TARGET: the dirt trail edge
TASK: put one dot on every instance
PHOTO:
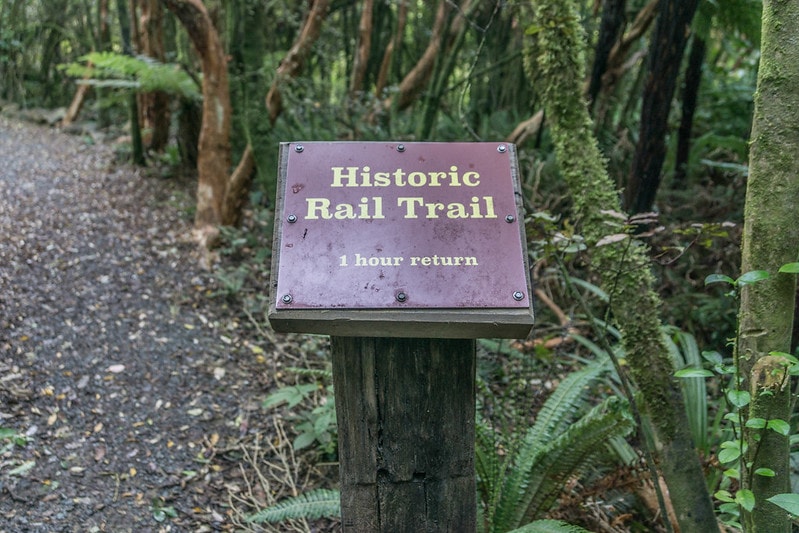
(123, 390)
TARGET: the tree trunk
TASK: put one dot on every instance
(133, 107)
(693, 79)
(770, 238)
(416, 80)
(361, 61)
(609, 28)
(213, 152)
(77, 103)
(666, 51)
(154, 106)
(385, 66)
(554, 58)
(618, 63)
(445, 65)
(102, 41)
(292, 64)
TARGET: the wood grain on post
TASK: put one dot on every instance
(405, 410)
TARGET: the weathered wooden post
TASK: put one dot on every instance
(404, 253)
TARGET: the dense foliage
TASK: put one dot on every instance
(443, 71)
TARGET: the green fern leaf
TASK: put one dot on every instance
(324, 374)
(549, 526)
(309, 505)
(559, 410)
(555, 416)
(141, 73)
(490, 466)
(569, 454)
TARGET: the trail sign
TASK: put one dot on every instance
(400, 240)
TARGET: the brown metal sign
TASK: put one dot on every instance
(375, 226)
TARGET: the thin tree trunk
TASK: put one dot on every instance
(385, 66)
(624, 268)
(295, 59)
(445, 65)
(215, 190)
(103, 44)
(693, 79)
(133, 107)
(237, 188)
(83, 90)
(618, 62)
(770, 237)
(364, 45)
(77, 103)
(416, 80)
(666, 51)
(526, 129)
(154, 108)
(609, 28)
(618, 54)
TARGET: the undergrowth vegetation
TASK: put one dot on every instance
(608, 484)
(592, 453)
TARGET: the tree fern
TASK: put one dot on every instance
(140, 73)
(310, 505)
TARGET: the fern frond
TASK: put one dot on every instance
(549, 526)
(319, 373)
(309, 505)
(554, 417)
(685, 353)
(142, 73)
(489, 465)
(569, 454)
(113, 84)
(560, 408)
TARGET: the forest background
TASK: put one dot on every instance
(669, 87)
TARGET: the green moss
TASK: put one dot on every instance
(553, 58)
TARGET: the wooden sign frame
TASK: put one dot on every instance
(495, 321)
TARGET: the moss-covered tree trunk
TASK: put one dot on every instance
(770, 239)
(553, 57)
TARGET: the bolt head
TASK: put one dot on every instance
(292, 219)
(400, 147)
(510, 218)
(502, 148)
(401, 296)
(298, 148)
(518, 296)
(287, 299)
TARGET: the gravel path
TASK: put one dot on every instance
(124, 388)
